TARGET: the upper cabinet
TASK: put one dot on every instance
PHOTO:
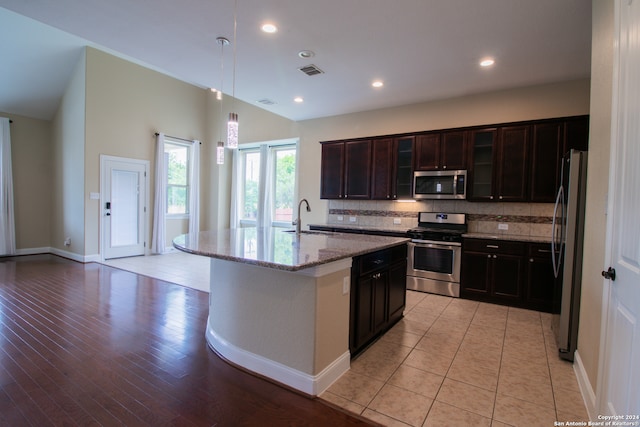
(499, 164)
(441, 151)
(514, 162)
(346, 170)
(551, 139)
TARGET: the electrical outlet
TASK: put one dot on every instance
(340, 218)
(503, 226)
(67, 241)
(352, 219)
(346, 284)
(397, 221)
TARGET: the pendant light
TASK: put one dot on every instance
(222, 41)
(232, 124)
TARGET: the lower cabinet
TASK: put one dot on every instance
(512, 273)
(378, 292)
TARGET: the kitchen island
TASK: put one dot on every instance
(279, 301)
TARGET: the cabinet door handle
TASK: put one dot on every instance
(544, 251)
(500, 197)
(491, 197)
(444, 167)
(495, 256)
(530, 259)
(488, 256)
(378, 261)
(493, 246)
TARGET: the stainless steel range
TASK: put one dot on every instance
(433, 262)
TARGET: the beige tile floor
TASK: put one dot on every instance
(455, 362)
(175, 267)
(448, 362)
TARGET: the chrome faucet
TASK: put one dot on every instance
(298, 221)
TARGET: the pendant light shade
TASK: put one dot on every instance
(232, 131)
(220, 153)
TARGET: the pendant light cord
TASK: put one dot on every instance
(235, 30)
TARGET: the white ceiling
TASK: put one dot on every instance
(422, 49)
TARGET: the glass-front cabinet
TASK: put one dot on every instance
(481, 170)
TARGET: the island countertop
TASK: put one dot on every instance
(281, 249)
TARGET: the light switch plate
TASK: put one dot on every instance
(503, 226)
(397, 221)
(94, 196)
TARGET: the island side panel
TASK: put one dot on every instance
(332, 319)
(274, 315)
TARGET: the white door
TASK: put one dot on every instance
(621, 370)
(123, 207)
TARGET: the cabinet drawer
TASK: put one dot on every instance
(374, 261)
(540, 250)
(495, 246)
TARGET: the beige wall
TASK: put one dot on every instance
(597, 187)
(31, 157)
(126, 105)
(68, 166)
(537, 102)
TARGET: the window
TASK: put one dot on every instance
(177, 161)
(266, 184)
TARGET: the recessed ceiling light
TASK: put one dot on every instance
(306, 54)
(487, 62)
(377, 83)
(269, 28)
(298, 99)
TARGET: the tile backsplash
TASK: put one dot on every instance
(520, 219)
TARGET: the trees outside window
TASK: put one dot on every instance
(177, 161)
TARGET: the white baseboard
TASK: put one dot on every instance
(33, 251)
(310, 384)
(588, 395)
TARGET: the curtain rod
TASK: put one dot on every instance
(181, 139)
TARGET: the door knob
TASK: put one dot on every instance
(610, 274)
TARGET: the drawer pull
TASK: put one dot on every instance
(493, 246)
(544, 251)
(378, 261)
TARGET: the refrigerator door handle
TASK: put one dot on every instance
(556, 262)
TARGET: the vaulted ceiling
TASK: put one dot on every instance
(420, 49)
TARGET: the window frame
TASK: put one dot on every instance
(279, 145)
(175, 143)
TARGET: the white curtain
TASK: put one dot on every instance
(158, 237)
(265, 198)
(7, 221)
(236, 180)
(194, 189)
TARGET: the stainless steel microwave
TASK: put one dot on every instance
(440, 184)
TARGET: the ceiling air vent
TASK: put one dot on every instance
(311, 70)
(266, 101)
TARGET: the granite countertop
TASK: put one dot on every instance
(511, 237)
(276, 248)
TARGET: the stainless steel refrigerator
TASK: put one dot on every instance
(566, 250)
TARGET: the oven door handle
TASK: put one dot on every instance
(434, 242)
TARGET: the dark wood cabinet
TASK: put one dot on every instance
(508, 272)
(540, 283)
(546, 148)
(346, 170)
(382, 169)
(392, 169)
(492, 270)
(551, 139)
(514, 162)
(357, 169)
(441, 151)
(499, 166)
(403, 167)
(481, 167)
(378, 293)
(332, 171)
(512, 165)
